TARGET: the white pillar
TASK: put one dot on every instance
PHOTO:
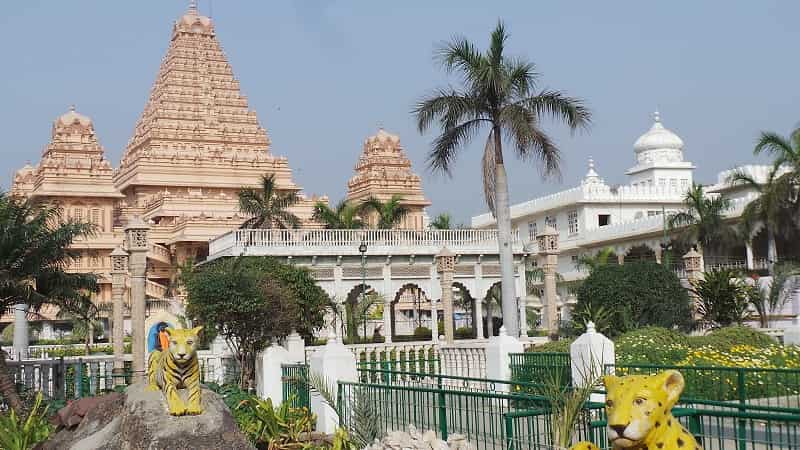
(335, 363)
(296, 347)
(497, 357)
(434, 314)
(748, 246)
(589, 355)
(387, 301)
(21, 338)
(269, 373)
(791, 335)
(477, 297)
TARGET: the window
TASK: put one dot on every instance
(662, 182)
(652, 213)
(684, 183)
(531, 230)
(673, 183)
(78, 261)
(96, 218)
(77, 214)
(551, 221)
(572, 221)
(603, 220)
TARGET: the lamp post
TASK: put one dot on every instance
(363, 250)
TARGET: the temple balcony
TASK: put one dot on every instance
(309, 242)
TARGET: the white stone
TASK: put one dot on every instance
(589, 355)
(497, 357)
(296, 347)
(791, 335)
(269, 373)
(336, 363)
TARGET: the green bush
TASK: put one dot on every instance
(725, 338)
(23, 433)
(637, 295)
(561, 346)
(422, 333)
(651, 345)
(464, 333)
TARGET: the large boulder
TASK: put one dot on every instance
(138, 420)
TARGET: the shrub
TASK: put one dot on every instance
(651, 345)
(725, 338)
(561, 346)
(23, 433)
(464, 333)
(637, 295)
(422, 333)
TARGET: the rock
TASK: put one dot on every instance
(138, 420)
(413, 440)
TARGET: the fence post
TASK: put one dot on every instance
(589, 355)
(498, 359)
(509, 423)
(742, 426)
(336, 363)
(60, 379)
(269, 376)
(442, 409)
(79, 379)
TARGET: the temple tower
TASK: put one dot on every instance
(384, 170)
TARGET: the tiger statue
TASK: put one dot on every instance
(177, 368)
(639, 414)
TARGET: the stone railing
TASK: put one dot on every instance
(346, 242)
(394, 354)
(464, 359)
(160, 253)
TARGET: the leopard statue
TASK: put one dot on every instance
(177, 368)
(639, 414)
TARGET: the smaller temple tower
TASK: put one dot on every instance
(382, 171)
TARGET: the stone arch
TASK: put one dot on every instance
(350, 301)
(640, 252)
(464, 301)
(492, 310)
(411, 297)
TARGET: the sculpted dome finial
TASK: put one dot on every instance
(193, 7)
(657, 116)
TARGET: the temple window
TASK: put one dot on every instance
(77, 214)
(97, 218)
(603, 220)
(551, 221)
(572, 221)
(532, 230)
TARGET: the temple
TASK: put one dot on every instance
(383, 170)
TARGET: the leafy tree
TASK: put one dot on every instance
(601, 316)
(442, 222)
(251, 301)
(268, 207)
(601, 258)
(702, 223)
(499, 93)
(773, 207)
(359, 311)
(85, 316)
(34, 251)
(344, 216)
(389, 213)
(723, 298)
(637, 294)
(785, 281)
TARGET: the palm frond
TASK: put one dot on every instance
(489, 167)
(445, 147)
(558, 106)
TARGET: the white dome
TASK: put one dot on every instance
(658, 138)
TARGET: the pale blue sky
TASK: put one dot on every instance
(323, 75)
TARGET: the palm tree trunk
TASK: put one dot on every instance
(7, 388)
(772, 249)
(503, 210)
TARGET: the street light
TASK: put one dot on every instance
(363, 250)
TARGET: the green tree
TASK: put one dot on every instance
(591, 262)
(636, 295)
(344, 216)
(85, 317)
(498, 93)
(389, 213)
(34, 251)
(703, 221)
(442, 222)
(251, 301)
(268, 207)
(773, 207)
(723, 298)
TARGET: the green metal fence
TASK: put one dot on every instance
(769, 390)
(295, 386)
(420, 365)
(541, 367)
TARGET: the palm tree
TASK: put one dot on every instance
(499, 93)
(344, 216)
(268, 207)
(442, 222)
(702, 223)
(591, 262)
(389, 213)
(34, 251)
(773, 208)
(785, 150)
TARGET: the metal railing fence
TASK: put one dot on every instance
(294, 378)
(542, 367)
